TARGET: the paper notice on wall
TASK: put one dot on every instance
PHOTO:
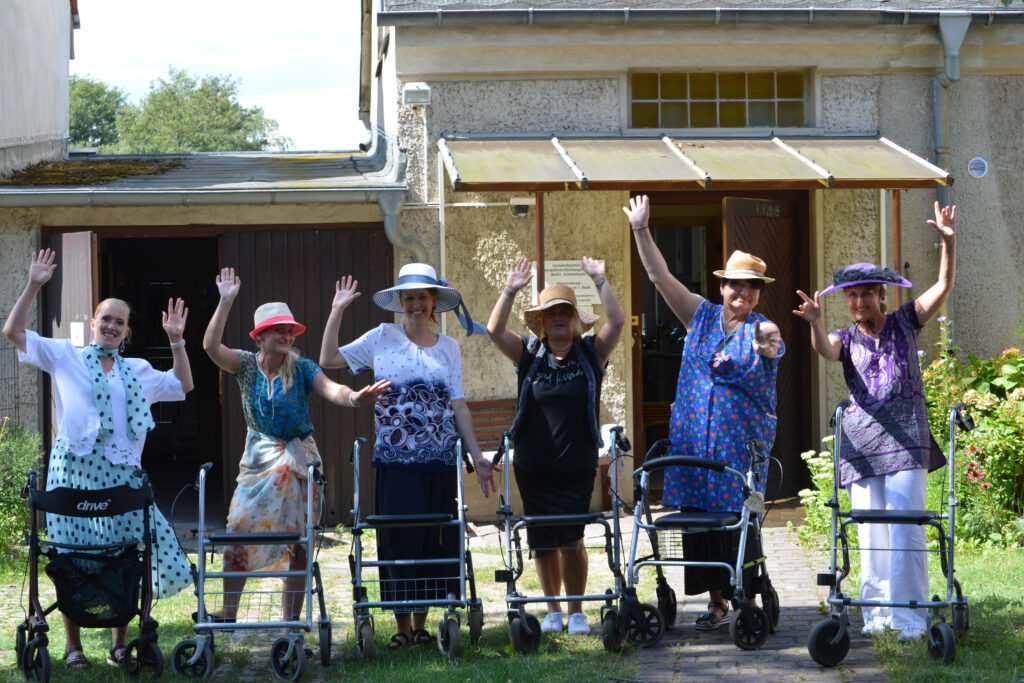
(77, 330)
(569, 273)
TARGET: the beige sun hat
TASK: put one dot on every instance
(744, 266)
(553, 296)
(274, 313)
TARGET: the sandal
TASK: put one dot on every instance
(420, 636)
(398, 640)
(710, 620)
(118, 656)
(75, 659)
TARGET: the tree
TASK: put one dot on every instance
(94, 106)
(182, 114)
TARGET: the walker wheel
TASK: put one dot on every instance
(749, 633)
(646, 628)
(942, 643)
(365, 643)
(35, 660)
(449, 640)
(821, 647)
(144, 657)
(325, 643)
(20, 639)
(611, 634)
(524, 634)
(183, 652)
(667, 604)
(476, 623)
(770, 600)
(961, 618)
(288, 660)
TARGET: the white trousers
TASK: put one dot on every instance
(894, 564)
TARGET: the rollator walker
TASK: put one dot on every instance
(367, 593)
(829, 639)
(751, 624)
(623, 616)
(194, 657)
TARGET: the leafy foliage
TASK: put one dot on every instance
(20, 451)
(184, 114)
(94, 106)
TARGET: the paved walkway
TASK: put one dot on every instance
(685, 654)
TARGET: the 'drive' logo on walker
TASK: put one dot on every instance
(89, 506)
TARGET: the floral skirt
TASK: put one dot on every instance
(270, 496)
(171, 572)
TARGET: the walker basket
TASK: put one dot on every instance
(98, 589)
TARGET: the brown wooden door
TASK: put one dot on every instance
(300, 267)
(773, 231)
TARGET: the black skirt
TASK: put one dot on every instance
(554, 493)
(718, 546)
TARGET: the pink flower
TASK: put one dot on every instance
(975, 475)
(986, 485)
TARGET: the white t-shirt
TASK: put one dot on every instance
(77, 416)
(415, 418)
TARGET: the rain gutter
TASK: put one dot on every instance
(709, 16)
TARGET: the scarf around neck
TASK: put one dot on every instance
(140, 418)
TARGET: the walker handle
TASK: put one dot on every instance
(502, 447)
(205, 467)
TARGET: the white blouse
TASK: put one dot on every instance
(77, 416)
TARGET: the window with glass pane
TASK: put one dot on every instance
(726, 99)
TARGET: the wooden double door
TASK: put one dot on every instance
(297, 264)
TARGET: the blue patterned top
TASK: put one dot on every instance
(725, 397)
(267, 407)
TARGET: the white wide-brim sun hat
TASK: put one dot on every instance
(417, 276)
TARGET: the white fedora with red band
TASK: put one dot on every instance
(274, 313)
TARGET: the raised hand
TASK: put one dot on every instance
(228, 283)
(485, 475)
(346, 290)
(519, 275)
(810, 309)
(639, 211)
(370, 393)
(767, 339)
(945, 221)
(41, 269)
(173, 319)
(595, 269)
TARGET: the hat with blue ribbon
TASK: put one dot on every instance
(423, 276)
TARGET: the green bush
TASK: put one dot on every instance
(20, 451)
(816, 529)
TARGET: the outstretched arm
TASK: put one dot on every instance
(345, 292)
(342, 395)
(681, 300)
(929, 303)
(173, 321)
(40, 271)
(827, 345)
(226, 359)
(507, 341)
(615, 319)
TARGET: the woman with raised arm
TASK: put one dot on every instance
(725, 397)
(99, 439)
(556, 429)
(887, 450)
(275, 383)
(419, 421)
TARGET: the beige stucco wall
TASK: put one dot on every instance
(35, 45)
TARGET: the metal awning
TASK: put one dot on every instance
(667, 163)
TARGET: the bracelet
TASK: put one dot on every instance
(509, 292)
(600, 282)
(636, 229)
(352, 401)
(177, 345)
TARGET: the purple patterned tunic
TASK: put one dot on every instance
(725, 397)
(885, 430)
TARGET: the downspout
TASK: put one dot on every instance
(953, 27)
(390, 204)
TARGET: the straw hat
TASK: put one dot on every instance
(274, 313)
(865, 274)
(744, 266)
(553, 296)
(417, 276)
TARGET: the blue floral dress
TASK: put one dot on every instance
(725, 397)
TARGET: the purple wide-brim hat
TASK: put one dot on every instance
(865, 274)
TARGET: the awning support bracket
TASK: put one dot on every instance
(449, 163)
(827, 179)
(576, 170)
(705, 177)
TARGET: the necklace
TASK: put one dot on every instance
(562, 351)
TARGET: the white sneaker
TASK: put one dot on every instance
(552, 623)
(908, 634)
(578, 624)
(874, 627)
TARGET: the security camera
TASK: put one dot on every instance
(520, 206)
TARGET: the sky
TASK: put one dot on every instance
(297, 60)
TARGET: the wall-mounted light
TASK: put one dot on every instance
(520, 206)
(416, 94)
